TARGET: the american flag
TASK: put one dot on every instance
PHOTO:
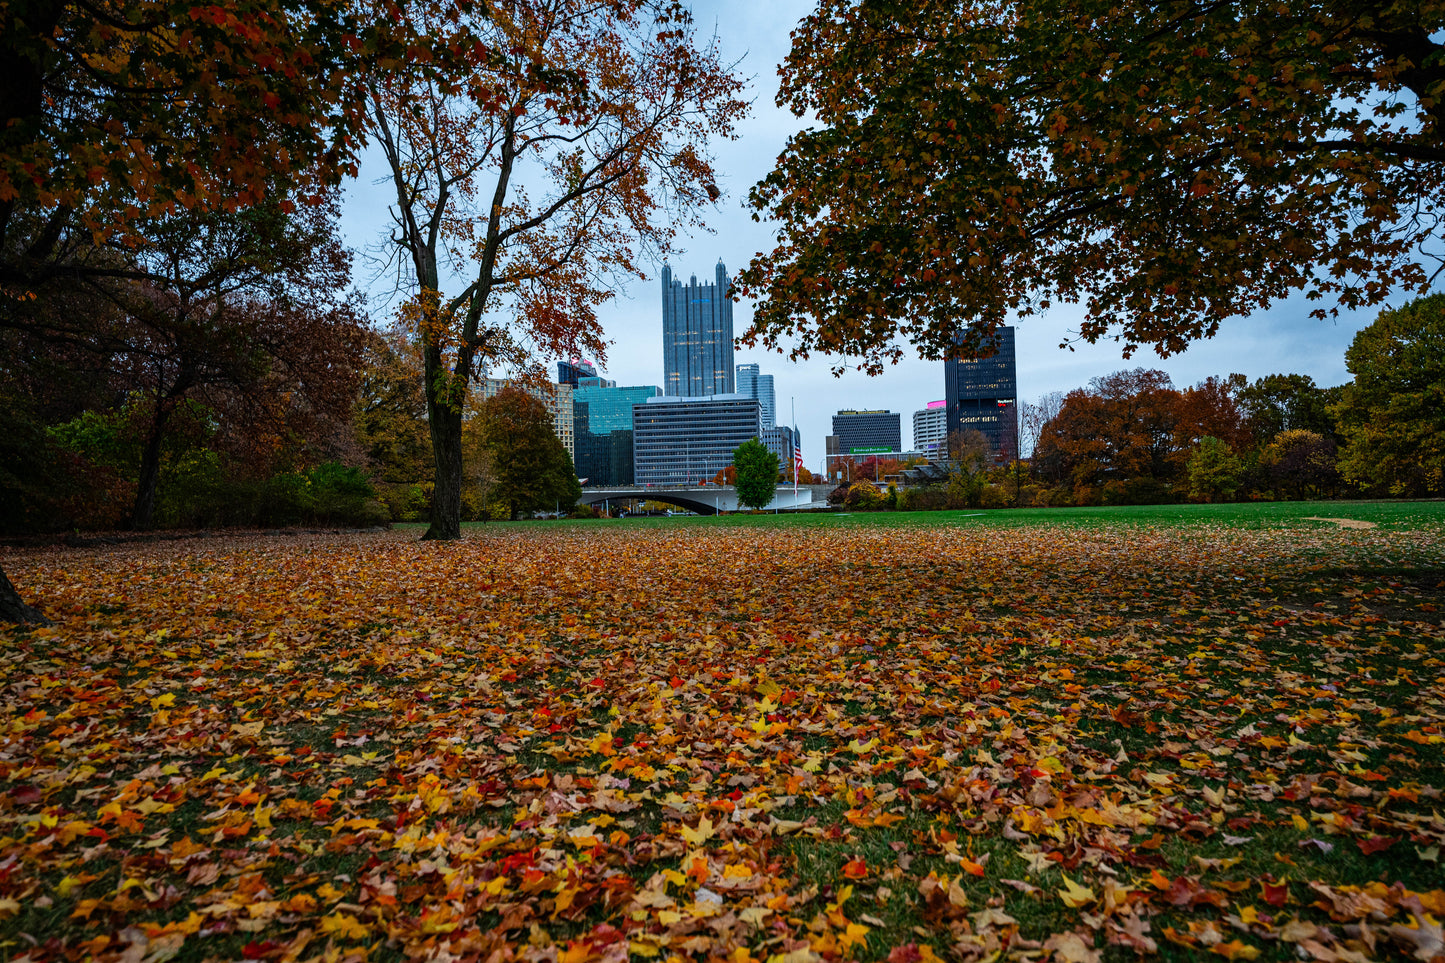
(797, 461)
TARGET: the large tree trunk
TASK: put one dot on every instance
(445, 395)
(13, 609)
(446, 499)
(143, 518)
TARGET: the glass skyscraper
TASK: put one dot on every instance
(602, 419)
(752, 383)
(982, 394)
(697, 336)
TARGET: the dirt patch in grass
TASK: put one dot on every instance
(1342, 522)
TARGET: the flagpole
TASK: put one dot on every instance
(793, 404)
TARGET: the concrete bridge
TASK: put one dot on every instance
(707, 499)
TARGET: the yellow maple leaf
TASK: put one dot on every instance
(345, 926)
(855, 934)
(329, 893)
(696, 837)
(1235, 950)
(1074, 895)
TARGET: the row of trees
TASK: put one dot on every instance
(152, 154)
(1132, 436)
(98, 456)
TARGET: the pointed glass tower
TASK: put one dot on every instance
(697, 336)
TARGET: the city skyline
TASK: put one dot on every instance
(1280, 339)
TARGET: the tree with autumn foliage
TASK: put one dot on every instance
(1165, 165)
(1301, 463)
(113, 114)
(1122, 427)
(1285, 402)
(544, 154)
(529, 467)
(244, 311)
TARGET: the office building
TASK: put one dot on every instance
(602, 420)
(781, 441)
(868, 432)
(752, 383)
(568, 372)
(684, 441)
(930, 428)
(981, 391)
(697, 336)
(557, 398)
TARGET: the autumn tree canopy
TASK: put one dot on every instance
(1392, 415)
(554, 146)
(111, 112)
(1165, 165)
(530, 467)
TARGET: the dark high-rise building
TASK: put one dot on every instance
(868, 432)
(568, 372)
(697, 336)
(982, 394)
(682, 441)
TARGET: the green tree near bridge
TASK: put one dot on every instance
(757, 474)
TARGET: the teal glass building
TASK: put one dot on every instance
(602, 429)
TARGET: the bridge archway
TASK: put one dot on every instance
(667, 498)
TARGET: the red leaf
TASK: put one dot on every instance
(1375, 844)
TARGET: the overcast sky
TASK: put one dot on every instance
(1284, 339)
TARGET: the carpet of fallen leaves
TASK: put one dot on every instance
(575, 744)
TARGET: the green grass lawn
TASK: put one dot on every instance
(1397, 515)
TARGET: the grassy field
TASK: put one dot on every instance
(1182, 732)
(1385, 514)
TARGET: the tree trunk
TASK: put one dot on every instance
(143, 517)
(446, 499)
(445, 395)
(13, 609)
